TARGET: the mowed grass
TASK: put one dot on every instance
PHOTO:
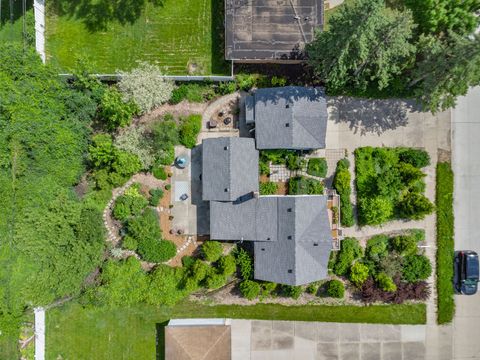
(178, 34)
(78, 333)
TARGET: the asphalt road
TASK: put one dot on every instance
(466, 165)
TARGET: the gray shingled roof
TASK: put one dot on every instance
(298, 229)
(291, 117)
(229, 168)
(270, 29)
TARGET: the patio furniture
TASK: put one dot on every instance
(181, 162)
(212, 124)
(227, 120)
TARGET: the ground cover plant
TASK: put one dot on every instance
(445, 243)
(341, 183)
(183, 38)
(390, 184)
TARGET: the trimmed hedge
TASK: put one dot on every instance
(336, 289)
(189, 129)
(341, 183)
(445, 243)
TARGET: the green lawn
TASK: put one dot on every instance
(130, 333)
(174, 35)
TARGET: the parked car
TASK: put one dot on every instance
(466, 272)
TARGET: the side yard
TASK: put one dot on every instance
(104, 331)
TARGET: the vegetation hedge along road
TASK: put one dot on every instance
(445, 243)
(341, 183)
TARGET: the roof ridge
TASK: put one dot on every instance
(306, 131)
(230, 167)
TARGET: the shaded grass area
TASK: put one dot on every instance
(179, 36)
(74, 332)
(9, 347)
(445, 243)
(11, 21)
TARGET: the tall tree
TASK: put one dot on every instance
(447, 69)
(441, 16)
(367, 45)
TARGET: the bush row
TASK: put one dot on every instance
(341, 183)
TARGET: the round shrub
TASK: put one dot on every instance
(215, 281)
(268, 188)
(168, 187)
(336, 289)
(350, 250)
(312, 288)
(144, 226)
(377, 247)
(317, 167)
(130, 204)
(292, 291)
(154, 250)
(129, 243)
(159, 172)
(227, 265)
(250, 289)
(188, 261)
(404, 244)
(155, 196)
(386, 283)
(212, 250)
(358, 273)
(416, 267)
(415, 157)
(199, 270)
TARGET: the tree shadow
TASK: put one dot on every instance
(160, 343)
(219, 64)
(371, 116)
(11, 11)
(96, 15)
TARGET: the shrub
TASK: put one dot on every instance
(246, 81)
(375, 210)
(144, 226)
(159, 172)
(404, 244)
(415, 157)
(292, 291)
(155, 250)
(268, 188)
(350, 250)
(416, 267)
(264, 168)
(245, 263)
(135, 141)
(215, 281)
(166, 157)
(294, 161)
(391, 265)
(445, 243)
(358, 273)
(277, 157)
(267, 288)
(227, 265)
(405, 291)
(336, 289)
(130, 204)
(191, 92)
(386, 283)
(415, 206)
(164, 134)
(129, 243)
(179, 94)
(301, 185)
(278, 81)
(168, 187)
(317, 167)
(145, 86)
(225, 88)
(341, 183)
(249, 289)
(165, 286)
(114, 111)
(377, 247)
(212, 250)
(188, 261)
(189, 129)
(155, 196)
(312, 288)
(334, 214)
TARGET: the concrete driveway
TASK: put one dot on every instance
(298, 340)
(466, 165)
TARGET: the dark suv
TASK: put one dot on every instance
(466, 272)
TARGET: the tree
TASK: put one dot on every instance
(114, 111)
(146, 86)
(199, 270)
(415, 206)
(442, 16)
(416, 267)
(212, 250)
(446, 70)
(367, 45)
(358, 273)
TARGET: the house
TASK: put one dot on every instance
(196, 339)
(291, 117)
(229, 168)
(291, 234)
(270, 30)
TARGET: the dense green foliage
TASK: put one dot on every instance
(245, 263)
(190, 127)
(358, 273)
(350, 250)
(155, 196)
(227, 265)
(367, 45)
(301, 185)
(294, 161)
(291, 291)
(192, 92)
(341, 183)
(50, 240)
(212, 250)
(388, 187)
(416, 267)
(386, 283)
(336, 289)
(131, 203)
(249, 289)
(114, 112)
(154, 250)
(317, 167)
(159, 172)
(268, 188)
(445, 243)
